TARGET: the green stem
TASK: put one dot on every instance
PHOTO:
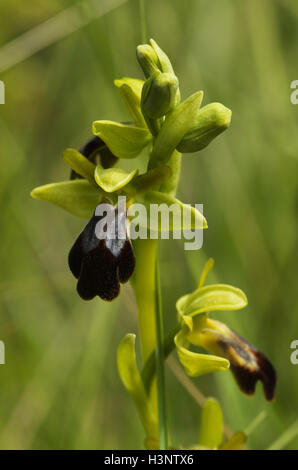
(149, 369)
(162, 414)
(143, 282)
(143, 21)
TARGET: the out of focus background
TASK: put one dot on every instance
(59, 388)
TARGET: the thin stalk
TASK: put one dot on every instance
(143, 282)
(162, 414)
(143, 21)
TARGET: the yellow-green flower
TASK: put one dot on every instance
(227, 348)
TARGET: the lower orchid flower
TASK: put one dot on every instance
(228, 349)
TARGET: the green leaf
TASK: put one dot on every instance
(123, 140)
(79, 164)
(176, 125)
(210, 298)
(77, 197)
(211, 424)
(196, 364)
(236, 442)
(113, 179)
(130, 376)
(131, 91)
(176, 215)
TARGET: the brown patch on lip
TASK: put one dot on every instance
(247, 364)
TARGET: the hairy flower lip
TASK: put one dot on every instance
(248, 364)
(101, 264)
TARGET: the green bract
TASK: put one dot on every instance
(130, 376)
(176, 125)
(211, 424)
(211, 121)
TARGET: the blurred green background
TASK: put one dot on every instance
(59, 387)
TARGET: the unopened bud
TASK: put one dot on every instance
(159, 95)
(148, 59)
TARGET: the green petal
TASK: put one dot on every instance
(79, 164)
(131, 91)
(130, 376)
(113, 179)
(123, 140)
(187, 217)
(196, 364)
(77, 197)
(210, 298)
(236, 442)
(206, 270)
(211, 424)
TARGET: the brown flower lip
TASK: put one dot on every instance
(247, 364)
(101, 264)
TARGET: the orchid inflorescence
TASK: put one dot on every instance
(103, 255)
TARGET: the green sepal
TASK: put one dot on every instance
(176, 125)
(79, 164)
(131, 91)
(131, 379)
(196, 364)
(113, 179)
(211, 121)
(123, 140)
(210, 298)
(211, 430)
(77, 197)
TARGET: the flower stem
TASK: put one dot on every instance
(143, 21)
(162, 412)
(143, 282)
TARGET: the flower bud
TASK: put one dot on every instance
(159, 95)
(148, 59)
(211, 121)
